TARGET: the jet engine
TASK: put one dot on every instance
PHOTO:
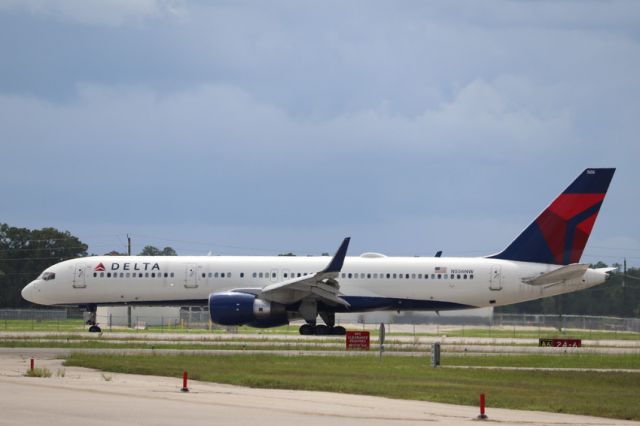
(235, 308)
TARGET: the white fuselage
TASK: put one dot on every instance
(450, 283)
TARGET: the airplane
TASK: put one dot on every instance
(270, 291)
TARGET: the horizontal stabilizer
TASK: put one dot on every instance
(569, 272)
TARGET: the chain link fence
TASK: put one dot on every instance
(198, 319)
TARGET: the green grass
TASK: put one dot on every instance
(38, 372)
(590, 393)
(544, 333)
(44, 325)
(77, 325)
(623, 361)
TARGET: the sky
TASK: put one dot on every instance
(258, 128)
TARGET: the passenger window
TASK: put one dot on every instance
(458, 276)
(122, 274)
(255, 274)
(350, 275)
(394, 275)
(101, 274)
(471, 276)
(388, 276)
(419, 276)
(140, 275)
(446, 276)
(344, 275)
(368, 275)
(228, 274)
(221, 274)
(464, 277)
(215, 275)
(165, 275)
(439, 276)
(407, 276)
(95, 274)
(375, 276)
(108, 275)
(171, 275)
(260, 275)
(241, 274)
(146, 275)
(203, 275)
(273, 275)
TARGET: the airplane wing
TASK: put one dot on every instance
(323, 285)
(557, 276)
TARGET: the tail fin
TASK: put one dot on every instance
(560, 233)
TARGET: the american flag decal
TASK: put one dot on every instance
(441, 270)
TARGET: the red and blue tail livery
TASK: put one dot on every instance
(559, 234)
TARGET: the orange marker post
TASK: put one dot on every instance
(482, 415)
(185, 388)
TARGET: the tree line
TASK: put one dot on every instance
(25, 253)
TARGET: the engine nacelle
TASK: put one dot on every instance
(233, 308)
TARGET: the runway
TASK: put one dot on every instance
(84, 396)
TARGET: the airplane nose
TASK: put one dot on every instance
(28, 292)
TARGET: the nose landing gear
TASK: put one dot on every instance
(91, 321)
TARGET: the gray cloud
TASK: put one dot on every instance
(405, 124)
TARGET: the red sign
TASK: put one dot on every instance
(358, 340)
(561, 343)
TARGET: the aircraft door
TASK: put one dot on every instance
(79, 276)
(191, 276)
(495, 280)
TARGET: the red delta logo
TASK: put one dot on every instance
(99, 268)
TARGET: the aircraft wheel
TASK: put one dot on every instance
(322, 330)
(94, 329)
(307, 330)
(338, 331)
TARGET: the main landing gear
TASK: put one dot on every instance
(91, 322)
(322, 330)
(330, 329)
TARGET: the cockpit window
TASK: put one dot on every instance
(47, 276)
